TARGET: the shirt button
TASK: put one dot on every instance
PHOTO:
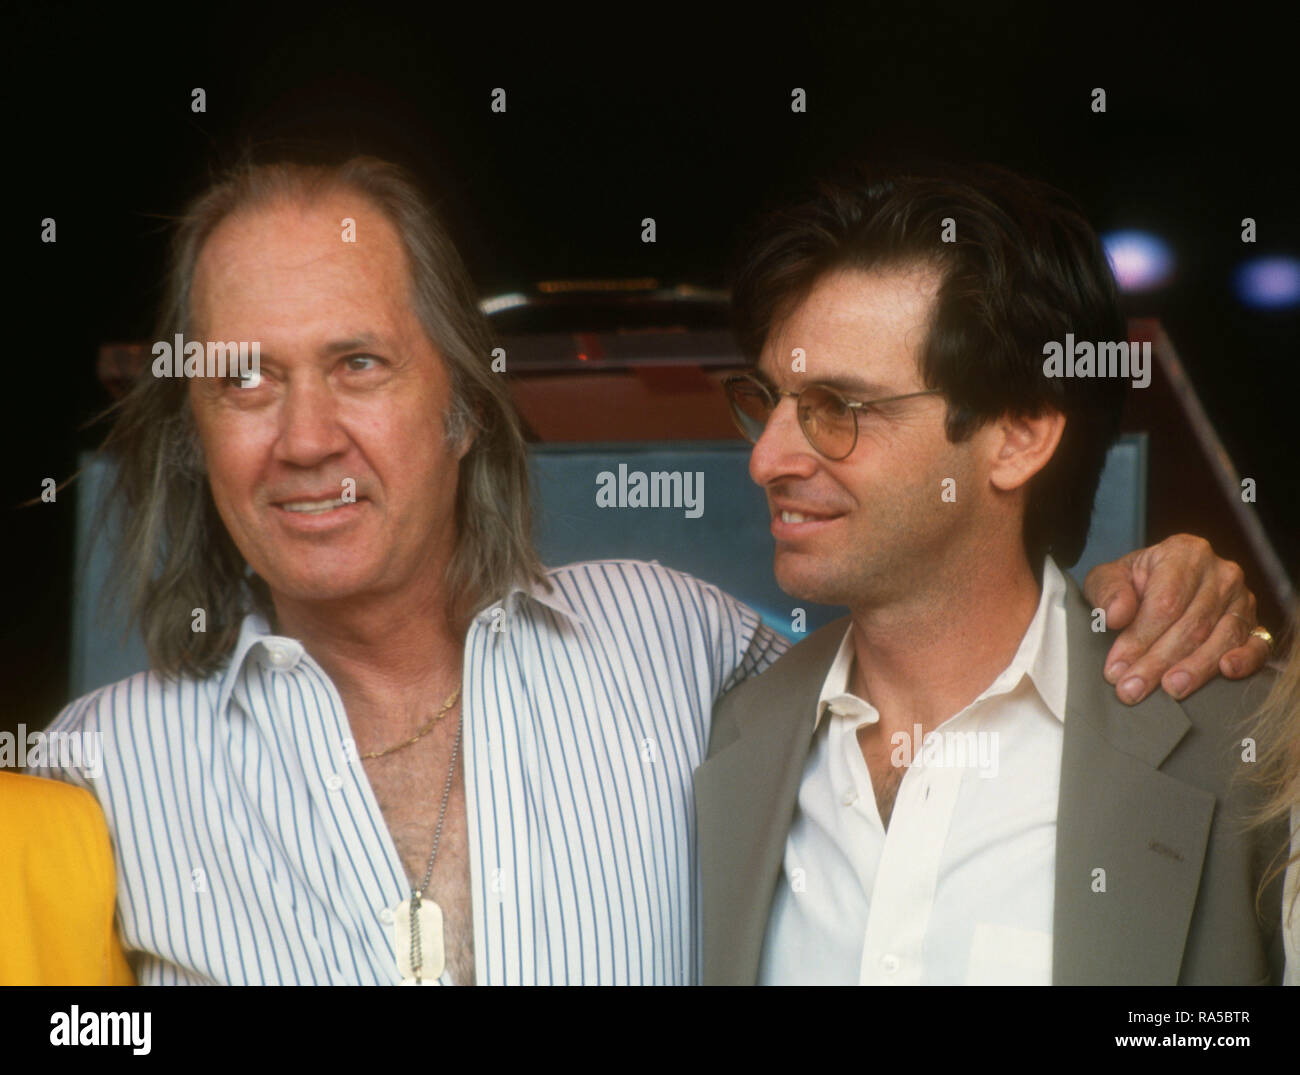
(889, 963)
(278, 656)
(334, 781)
(849, 797)
(386, 916)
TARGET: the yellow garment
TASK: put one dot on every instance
(57, 887)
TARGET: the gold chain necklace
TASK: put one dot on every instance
(451, 701)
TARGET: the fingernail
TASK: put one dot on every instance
(1115, 671)
(1178, 684)
(1131, 689)
(1234, 669)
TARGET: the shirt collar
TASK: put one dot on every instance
(283, 653)
(1044, 652)
(835, 695)
(523, 592)
(256, 642)
(1041, 656)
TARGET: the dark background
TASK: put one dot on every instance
(619, 114)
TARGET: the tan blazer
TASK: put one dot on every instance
(1145, 794)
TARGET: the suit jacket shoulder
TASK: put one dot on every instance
(799, 670)
(1157, 867)
(745, 795)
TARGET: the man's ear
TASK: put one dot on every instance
(461, 431)
(469, 434)
(1021, 445)
(465, 443)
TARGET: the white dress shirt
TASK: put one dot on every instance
(960, 888)
(250, 848)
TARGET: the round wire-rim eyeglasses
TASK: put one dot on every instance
(824, 414)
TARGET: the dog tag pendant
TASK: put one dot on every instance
(430, 956)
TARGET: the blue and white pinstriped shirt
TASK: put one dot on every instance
(250, 848)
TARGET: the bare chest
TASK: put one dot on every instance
(409, 792)
(886, 774)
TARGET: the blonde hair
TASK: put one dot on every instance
(1276, 728)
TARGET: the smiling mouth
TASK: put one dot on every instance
(314, 507)
(799, 517)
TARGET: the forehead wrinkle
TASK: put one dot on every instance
(288, 221)
(238, 257)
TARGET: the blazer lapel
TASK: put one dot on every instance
(1130, 840)
(745, 799)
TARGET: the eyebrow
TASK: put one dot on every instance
(362, 341)
(856, 386)
(846, 383)
(352, 343)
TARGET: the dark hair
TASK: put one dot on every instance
(1025, 268)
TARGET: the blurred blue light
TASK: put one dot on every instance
(1140, 260)
(1269, 283)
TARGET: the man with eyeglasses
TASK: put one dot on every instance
(942, 788)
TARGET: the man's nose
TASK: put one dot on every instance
(310, 426)
(782, 451)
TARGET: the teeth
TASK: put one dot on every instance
(795, 517)
(314, 507)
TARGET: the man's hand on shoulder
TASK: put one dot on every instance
(1184, 615)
